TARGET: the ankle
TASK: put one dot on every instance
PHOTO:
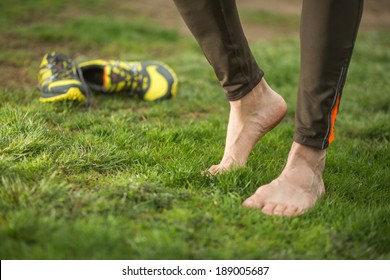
(252, 97)
(307, 152)
(302, 156)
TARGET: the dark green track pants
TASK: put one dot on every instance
(328, 33)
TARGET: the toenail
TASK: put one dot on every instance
(249, 203)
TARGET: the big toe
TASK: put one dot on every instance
(216, 169)
(250, 202)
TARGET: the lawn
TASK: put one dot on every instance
(123, 180)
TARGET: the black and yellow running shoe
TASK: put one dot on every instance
(150, 80)
(58, 79)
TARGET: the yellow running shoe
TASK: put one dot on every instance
(150, 80)
(58, 79)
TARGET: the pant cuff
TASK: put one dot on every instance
(243, 90)
(311, 141)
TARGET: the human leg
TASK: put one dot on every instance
(254, 107)
(328, 33)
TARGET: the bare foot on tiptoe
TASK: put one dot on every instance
(250, 118)
(297, 188)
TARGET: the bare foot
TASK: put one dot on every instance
(250, 118)
(297, 188)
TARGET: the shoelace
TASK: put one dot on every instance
(87, 90)
(61, 66)
(135, 85)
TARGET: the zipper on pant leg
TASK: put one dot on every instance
(333, 110)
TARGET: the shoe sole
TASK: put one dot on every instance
(73, 94)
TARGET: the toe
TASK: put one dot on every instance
(217, 169)
(213, 170)
(268, 209)
(279, 209)
(290, 211)
(251, 202)
(299, 211)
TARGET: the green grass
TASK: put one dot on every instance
(123, 181)
(264, 17)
